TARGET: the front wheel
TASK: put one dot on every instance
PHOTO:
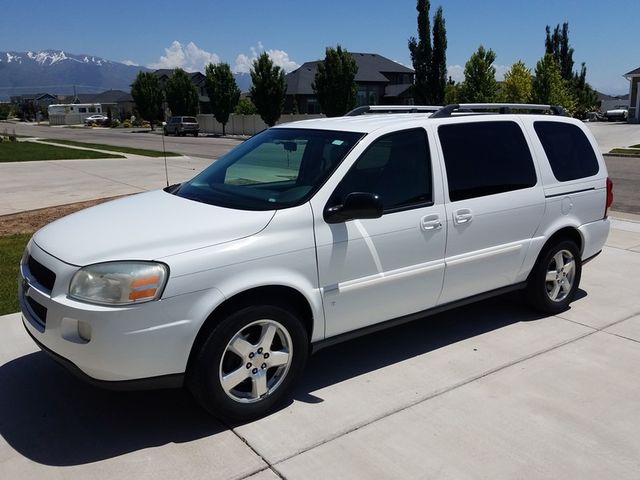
(555, 278)
(249, 363)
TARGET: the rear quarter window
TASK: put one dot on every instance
(485, 158)
(568, 150)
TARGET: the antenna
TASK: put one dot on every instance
(166, 169)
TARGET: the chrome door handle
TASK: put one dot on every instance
(431, 222)
(463, 216)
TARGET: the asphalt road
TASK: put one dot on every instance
(202, 146)
(624, 171)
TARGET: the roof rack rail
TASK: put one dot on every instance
(503, 108)
(393, 109)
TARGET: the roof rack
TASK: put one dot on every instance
(503, 108)
(393, 109)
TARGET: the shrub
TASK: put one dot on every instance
(126, 124)
(115, 123)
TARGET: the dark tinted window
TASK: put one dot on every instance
(569, 152)
(484, 158)
(396, 167)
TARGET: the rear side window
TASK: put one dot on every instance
(485, 158)
(569, 152)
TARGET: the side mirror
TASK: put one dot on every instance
(357, 205)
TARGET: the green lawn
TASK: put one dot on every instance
(11, 249)
(133, 151)
(27, 151)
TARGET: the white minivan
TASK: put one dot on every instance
(310, 233)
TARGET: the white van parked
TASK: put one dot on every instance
(313, 232)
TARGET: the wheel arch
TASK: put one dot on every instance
(278, 295)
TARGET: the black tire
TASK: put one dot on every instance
(195, 134)
(540, 291)
(216, 357)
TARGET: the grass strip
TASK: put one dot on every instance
(626, 152)
(111, 148)
(30, 151)
(11, 249)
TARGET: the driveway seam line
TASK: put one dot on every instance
(255, 451)
(439, 393)
(622, 336)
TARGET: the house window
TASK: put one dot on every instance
(82, 109)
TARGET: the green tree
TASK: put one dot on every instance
(335, 82)
(585, 97)
(147, 95)
(451, 92)
(557, 44)
(245, 107)
(181, 93)
(268, 90)
(479, 77)
(223, 92)
(548, 84)
(438, 74)
(421, 54)
(517, 84)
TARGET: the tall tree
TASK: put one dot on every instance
(557, 44)
(147, 95)
(585, 97)
(335, 82)
(438, 73)
(480, 77)
(421, 54)
(268, 90)
(182, 94)
(223, 92)
(548, 84)
(517, 84)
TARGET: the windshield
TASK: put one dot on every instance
(278, 168)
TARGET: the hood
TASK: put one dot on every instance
(147, 226)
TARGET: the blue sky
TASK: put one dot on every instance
(191, 33)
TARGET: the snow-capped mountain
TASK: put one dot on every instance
(58, 72)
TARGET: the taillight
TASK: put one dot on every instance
(609, 196)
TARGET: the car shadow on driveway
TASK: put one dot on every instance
(50, 417)
(371, 352)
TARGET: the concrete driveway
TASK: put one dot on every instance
(485, 391)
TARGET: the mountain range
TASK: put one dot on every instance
(62, 73)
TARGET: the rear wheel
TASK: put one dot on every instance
(555, 278)
(249, 363)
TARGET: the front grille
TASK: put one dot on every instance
(38, 310)
(42, 274)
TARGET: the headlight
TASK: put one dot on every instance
(119, 283)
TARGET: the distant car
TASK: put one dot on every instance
(618, 113)
(96, 120)
(182, 126)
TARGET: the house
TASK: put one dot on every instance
(634, 95)
(380, 81)
(31, 106)
(197, 78)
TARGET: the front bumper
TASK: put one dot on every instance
(147, 344)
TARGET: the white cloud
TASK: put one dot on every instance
(130, 63)
(188, 57)
(456, 72)
(279, 58)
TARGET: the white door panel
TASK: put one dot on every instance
(374, 270)
(487, 249)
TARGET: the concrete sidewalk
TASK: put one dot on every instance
(486, 391)
(32, 185)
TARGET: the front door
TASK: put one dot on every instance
(377, 269)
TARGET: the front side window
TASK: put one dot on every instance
(278, 168)
(485, 158)
(396, 167)
(569, 152)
